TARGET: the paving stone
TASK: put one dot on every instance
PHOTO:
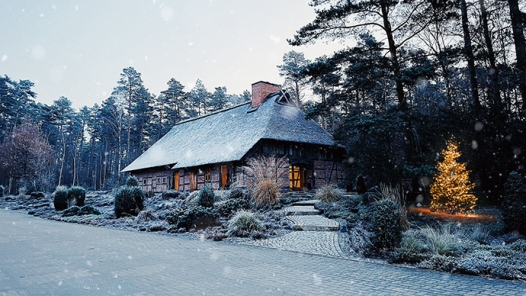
(301, 210)
(326, 243)
(309, 202)
(313, 223)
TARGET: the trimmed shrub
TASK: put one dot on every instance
(229, 206)
(60, 198)
(77, 195)
(329, 193)
(387, 224)
(196, 217)
(206, 197)
(132, 181)
(170, 193)
(129, 201)
(244, 223)
(360, 185)
(514, 203)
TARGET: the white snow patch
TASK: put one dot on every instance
(4, 58)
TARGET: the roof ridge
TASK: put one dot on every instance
(211, 113)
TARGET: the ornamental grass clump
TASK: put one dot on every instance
(76, 196)
(60, 198)
(443, 241)
(269, 175)
(244, 223)
(329, 193)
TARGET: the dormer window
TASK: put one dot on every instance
(285, 99)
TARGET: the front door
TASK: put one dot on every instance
(296, 177)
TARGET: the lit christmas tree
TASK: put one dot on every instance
(450, 191)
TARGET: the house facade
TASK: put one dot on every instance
(213, 149)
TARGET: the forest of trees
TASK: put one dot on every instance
(418, 73)
(44, 146)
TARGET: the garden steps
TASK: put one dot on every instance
(301, 210)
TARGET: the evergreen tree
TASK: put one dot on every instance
(450, 191)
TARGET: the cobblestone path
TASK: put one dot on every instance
(314, 234)
(42, 257)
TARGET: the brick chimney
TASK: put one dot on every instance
(260, 91)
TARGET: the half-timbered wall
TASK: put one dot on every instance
(154, 180)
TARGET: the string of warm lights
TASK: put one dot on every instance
(450, 191)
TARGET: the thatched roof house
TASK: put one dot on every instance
(213, 148)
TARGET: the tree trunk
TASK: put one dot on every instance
(394, 56)
(494, 91)
(468, 50)
(520, 47)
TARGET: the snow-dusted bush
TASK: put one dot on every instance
(229, 206)
(360, 239)
(146, 216)
(329, 193)
(265, 192)
(206, 197)
(440, 263)
(244, 223)
(196, 217)
(129, 201)
(387, 224)
(486, 263)
(76, 196)
(236, 193)
(132, 181)
(170, 193)
(60, 198)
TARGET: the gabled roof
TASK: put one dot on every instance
(227, 135)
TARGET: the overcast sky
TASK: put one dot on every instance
(78, 49)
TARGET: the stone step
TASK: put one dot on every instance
(300, 210)
(313, 223)
(309, 202)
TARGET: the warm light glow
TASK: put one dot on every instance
(453, 217)
(450, 191)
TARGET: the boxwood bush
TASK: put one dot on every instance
(387, 224)
(129, 200)
(77, 195)
(60, 198)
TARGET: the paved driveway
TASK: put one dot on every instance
(41, 257)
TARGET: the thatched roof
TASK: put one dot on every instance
(227, 135)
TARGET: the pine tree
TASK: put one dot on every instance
(450, 191)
